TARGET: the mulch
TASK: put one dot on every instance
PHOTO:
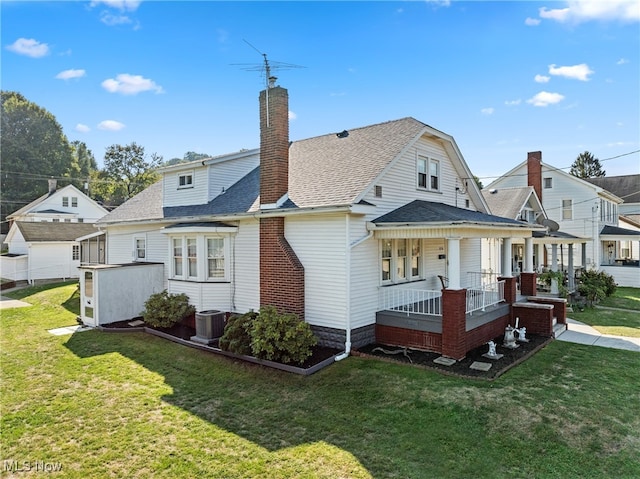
(511, 357)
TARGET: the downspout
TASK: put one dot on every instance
(348, 247)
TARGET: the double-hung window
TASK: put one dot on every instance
(567, 209)
(177, 257)
(192, 257)
(428, 171)
(140, 246)
(65, 201)
(400, 260)
(75, 253)
(215, 258)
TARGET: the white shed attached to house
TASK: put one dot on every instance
(112, 293)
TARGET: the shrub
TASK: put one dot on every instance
(236, 337)
(596, 285)
(163, 310)
(281, 337)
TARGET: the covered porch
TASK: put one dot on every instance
(456, 309)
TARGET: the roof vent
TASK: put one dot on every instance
(342, 134)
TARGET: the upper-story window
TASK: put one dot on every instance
(65, 201)
(185, 180)
(140, 249)
(74, 201)
(547, 182)
(567, 209)
(428, 171)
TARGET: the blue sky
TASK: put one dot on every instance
(503, 78)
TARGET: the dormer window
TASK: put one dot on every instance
(185, 180)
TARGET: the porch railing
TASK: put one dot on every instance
(487, 295)
(411, 301)
(477, 279)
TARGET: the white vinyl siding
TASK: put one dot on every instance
(320, 244)
(223, 175)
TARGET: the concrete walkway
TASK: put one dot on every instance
(581, 333)
(11, 303)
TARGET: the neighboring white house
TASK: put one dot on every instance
(43, 237)
(581, 209)
(335, 228)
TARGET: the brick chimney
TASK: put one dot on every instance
(534, 171)
(53, 185)
(281, 272)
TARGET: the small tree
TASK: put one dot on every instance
(587, 166)
(596, 285)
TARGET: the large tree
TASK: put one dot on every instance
(127, 171)
(33, 148)
(587, 166)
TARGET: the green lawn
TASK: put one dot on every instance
(137, 406)
(618, 315)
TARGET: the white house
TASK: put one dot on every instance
(346, 230)
(582, 209)
(43, 237)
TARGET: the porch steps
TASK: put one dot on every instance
(558, 328)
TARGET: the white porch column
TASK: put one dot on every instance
(554, 267)
(453, 251)
(507, 271)
(570, 267)
(528, 255)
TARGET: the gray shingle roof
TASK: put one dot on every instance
(507, 202)
(626, 187)
(617, 231)
(329, 171)
(419, 211)
(146, 205)
(44, 231)
(323, 171)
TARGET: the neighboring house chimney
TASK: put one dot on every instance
(534, 171)
(281, 272)
(53, 185)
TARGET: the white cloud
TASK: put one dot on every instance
(577, 72)
(532, 22)
(622, 61)
(487, 111)
(122, 5)
(439, 3)
(130, 84)
(69, 74)
(545, 98)
(110, 125)
(113, 20)
(81, 128)
(542, 79)
(513, 102)
(578, 11)
(292, 115)
(29, 47)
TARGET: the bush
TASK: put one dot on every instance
(281, 337)
(163, 310)
(596, 285)
(236, 337)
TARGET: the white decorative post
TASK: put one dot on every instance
(528, 255)
(453, 247)
(554, 267)
(507, 271)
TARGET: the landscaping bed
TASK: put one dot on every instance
(321, 356)
(462, 368)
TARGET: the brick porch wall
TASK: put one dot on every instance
(528, 285)
(559, 306)
(537, 318)
(409, 338)
(454, 322)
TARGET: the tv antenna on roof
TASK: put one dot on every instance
(266, 67)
